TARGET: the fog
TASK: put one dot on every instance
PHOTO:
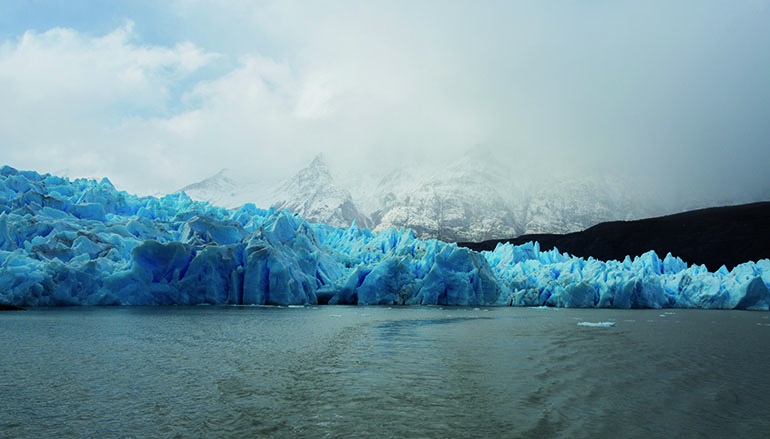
(674, 96)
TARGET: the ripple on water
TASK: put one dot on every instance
(375, 372)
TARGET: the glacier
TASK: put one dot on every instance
(83, 242)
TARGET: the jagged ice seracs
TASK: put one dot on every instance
(83, 242)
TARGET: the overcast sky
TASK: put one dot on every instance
(157, 95)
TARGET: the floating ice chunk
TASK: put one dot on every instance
(597, 324)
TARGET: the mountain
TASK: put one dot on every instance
(218, 189)
(465, 200)
(477, 198)
(471, 199)
(574, 204)
(231, 189)
(312, 193)
(716, 236)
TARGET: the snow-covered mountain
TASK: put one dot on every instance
(476, 199)
(312, 193)
(231, 189)
(472, 199)
(467, 200)
(574, 204)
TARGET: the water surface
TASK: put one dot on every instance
(383, 372)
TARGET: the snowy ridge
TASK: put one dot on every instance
(566, 206)
(467, 199)
(232, 190)
(472, 199)
(311, 193)
(83, 242)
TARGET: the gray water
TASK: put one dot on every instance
(381, 372)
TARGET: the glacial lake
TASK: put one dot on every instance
(351, 372)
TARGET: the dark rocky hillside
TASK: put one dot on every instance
(716, 236)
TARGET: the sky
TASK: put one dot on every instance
(674, 95)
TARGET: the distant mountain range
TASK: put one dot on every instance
(473, 199)
(714, 237)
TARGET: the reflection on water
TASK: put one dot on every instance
(381, 372)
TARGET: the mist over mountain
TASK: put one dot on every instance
(474, 198)
(156, 98)
(312, 193)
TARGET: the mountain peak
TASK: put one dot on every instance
(311, 176)
(474, 198)
(318, 161)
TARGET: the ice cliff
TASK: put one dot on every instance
(83, 242)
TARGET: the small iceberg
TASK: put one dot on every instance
(597, 324)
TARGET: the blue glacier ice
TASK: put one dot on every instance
(83, 242)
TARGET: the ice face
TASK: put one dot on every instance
(82, 242)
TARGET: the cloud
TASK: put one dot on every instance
(92, 74)
(66, 93)
(672, 96)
